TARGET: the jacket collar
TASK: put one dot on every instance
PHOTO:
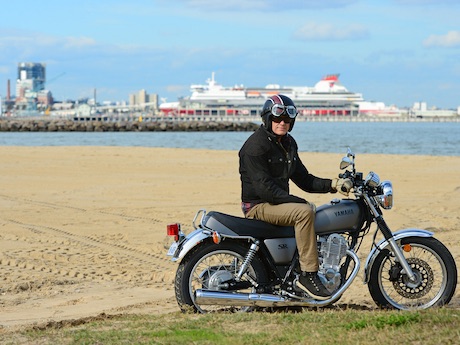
(285, 140)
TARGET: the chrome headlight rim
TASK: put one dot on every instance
(372, 180)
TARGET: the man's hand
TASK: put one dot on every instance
(342, 185)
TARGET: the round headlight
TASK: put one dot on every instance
(385, 195)
(372, 180)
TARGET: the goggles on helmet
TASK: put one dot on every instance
(279, 109)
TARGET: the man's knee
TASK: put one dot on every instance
(305, 211)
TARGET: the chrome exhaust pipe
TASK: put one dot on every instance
(208, 297)
(223, 298)
(227, 298)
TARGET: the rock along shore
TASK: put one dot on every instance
(63, 125)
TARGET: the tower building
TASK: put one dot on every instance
(31, 94)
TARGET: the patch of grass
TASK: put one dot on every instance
(324, 326)
(382, 321)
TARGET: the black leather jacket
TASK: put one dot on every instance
(266, 166)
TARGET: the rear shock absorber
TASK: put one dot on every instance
(247, 261)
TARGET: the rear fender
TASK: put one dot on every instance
(384, 243)
(191, 241)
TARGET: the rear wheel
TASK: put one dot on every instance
(206, 267)
(435, 276)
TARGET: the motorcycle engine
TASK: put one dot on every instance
(332, 249)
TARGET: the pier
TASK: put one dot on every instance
(137, 123)
(98, 125)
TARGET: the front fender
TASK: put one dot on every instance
(190, 241)
(384, 243)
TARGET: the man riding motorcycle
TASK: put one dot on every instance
(268, 160)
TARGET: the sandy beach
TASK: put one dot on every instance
(83, 229)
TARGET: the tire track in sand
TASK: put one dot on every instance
(51, 254)
(78, 256)
(73, 208)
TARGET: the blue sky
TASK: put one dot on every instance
(395, 51)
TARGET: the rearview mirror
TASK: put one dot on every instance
(345, 163)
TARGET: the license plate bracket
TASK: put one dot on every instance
(172, 249)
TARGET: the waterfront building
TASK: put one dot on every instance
(32, 76)
(31, 94)
(143, 101)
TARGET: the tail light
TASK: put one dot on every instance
(173, 230)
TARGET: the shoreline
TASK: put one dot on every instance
(225, 151)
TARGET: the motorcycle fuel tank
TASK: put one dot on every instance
(337, 216)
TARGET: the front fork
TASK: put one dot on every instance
(382, 225)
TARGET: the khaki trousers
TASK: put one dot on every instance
(302, 217)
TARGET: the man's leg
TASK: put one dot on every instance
(302, 217)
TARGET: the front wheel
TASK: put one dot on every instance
(433, 266)
(207, 267)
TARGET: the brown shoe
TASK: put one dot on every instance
(311, 284)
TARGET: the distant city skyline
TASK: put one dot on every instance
(397, 51)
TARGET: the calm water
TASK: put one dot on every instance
(413, 138)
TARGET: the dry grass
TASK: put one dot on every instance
(435, 326)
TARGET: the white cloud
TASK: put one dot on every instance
(177, 88)
(328, 32)
(8, 41)
(30, 41)
(265, 5)
(451, 39)
(427, 2)
(78, 42)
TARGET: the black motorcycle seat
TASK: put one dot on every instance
(252, 227)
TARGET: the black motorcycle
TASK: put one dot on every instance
(233, 263)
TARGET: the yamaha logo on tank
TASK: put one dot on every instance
(344, 212)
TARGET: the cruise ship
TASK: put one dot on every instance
(327, 97)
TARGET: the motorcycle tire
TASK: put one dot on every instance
(435, 270)
(206, 266)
